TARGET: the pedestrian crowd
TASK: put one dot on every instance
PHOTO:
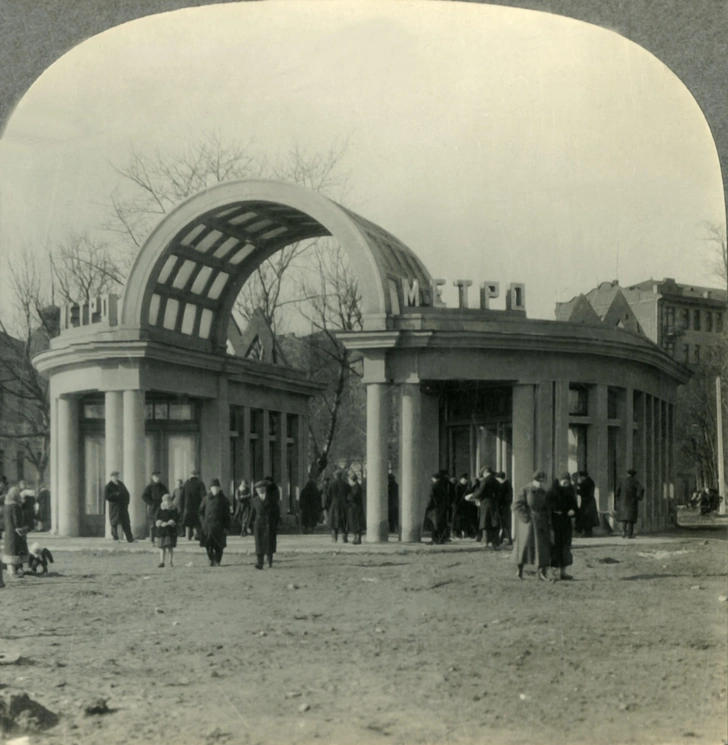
(539, 520)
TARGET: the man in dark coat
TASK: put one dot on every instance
(588, 513)
(561, 505)
(152, 498)
(437, 508)
(393, 504)
(487, 496)
(355, 509)
(506, 502)
(267, 510)
(193, 493)
(336, 507)
(628, 495)
(117, 495)
(44, 508)
(310, 504)
(214, 523)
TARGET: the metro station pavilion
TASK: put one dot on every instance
(149, 382)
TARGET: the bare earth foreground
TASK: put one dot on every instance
(344, 644)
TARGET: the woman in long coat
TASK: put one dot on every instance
(627, 497)
(355, 509)
(561, 504)
(267, 510)
(588, 512)
(310, 504)
(336, 506)
(214, 522)
(532, 527)
(15, 545)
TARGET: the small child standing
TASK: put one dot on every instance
(167, 519)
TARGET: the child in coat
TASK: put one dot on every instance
(166, 524)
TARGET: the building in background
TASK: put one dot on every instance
(690, 324)
(687, 321)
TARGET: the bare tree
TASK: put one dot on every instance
(716, 235)
(25, 415)
(333, 303)
(152, 185)
(82, 267)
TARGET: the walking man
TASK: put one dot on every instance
(192, 495)
(117, 495)
(628, 495)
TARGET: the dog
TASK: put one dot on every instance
(39, 557)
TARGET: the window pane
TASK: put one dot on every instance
(93, 411)
(696, 320)
(578, 401)
(95, 472)
(161, 409)
(180, 412)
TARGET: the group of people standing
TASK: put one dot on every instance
(462, 508)
(200, 514)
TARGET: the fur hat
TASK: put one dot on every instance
(631, 472)
(215, 482)
(261, 484)
(539, 476)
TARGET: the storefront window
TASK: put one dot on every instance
(612, 403)
(95, 474)
(181, 412)
(578, 400)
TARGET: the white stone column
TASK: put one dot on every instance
(134, 474)
(545, 429)
(522, 419)
(283, 455)
(54, 461)
(377, 461)
(409, 462)
(114, 440)
(561, 428)
(69, 497)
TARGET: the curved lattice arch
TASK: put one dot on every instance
(192, 267)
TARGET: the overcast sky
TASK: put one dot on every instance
(498, 143)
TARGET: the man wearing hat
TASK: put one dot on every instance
(266, 506)
(628, 495)
(214, 523)
(193, 493)
(117, 495)
(152, 497)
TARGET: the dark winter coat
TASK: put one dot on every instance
(336, 506)
(310, 504)
(117, 495)
(355, 509)
(44, 508)
(627, 497)
(588, 513)
(437, 505)
(265, 526)
(532, 527)
(166, 535)
(488, 494)
(15, 545)
(559, 501)
(214, 516)
(465, 514)
(152, 498)
(193, 492)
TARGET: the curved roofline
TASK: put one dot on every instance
(376, 256)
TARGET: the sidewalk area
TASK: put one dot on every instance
(320, 543)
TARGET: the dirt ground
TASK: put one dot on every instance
(355, 645)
